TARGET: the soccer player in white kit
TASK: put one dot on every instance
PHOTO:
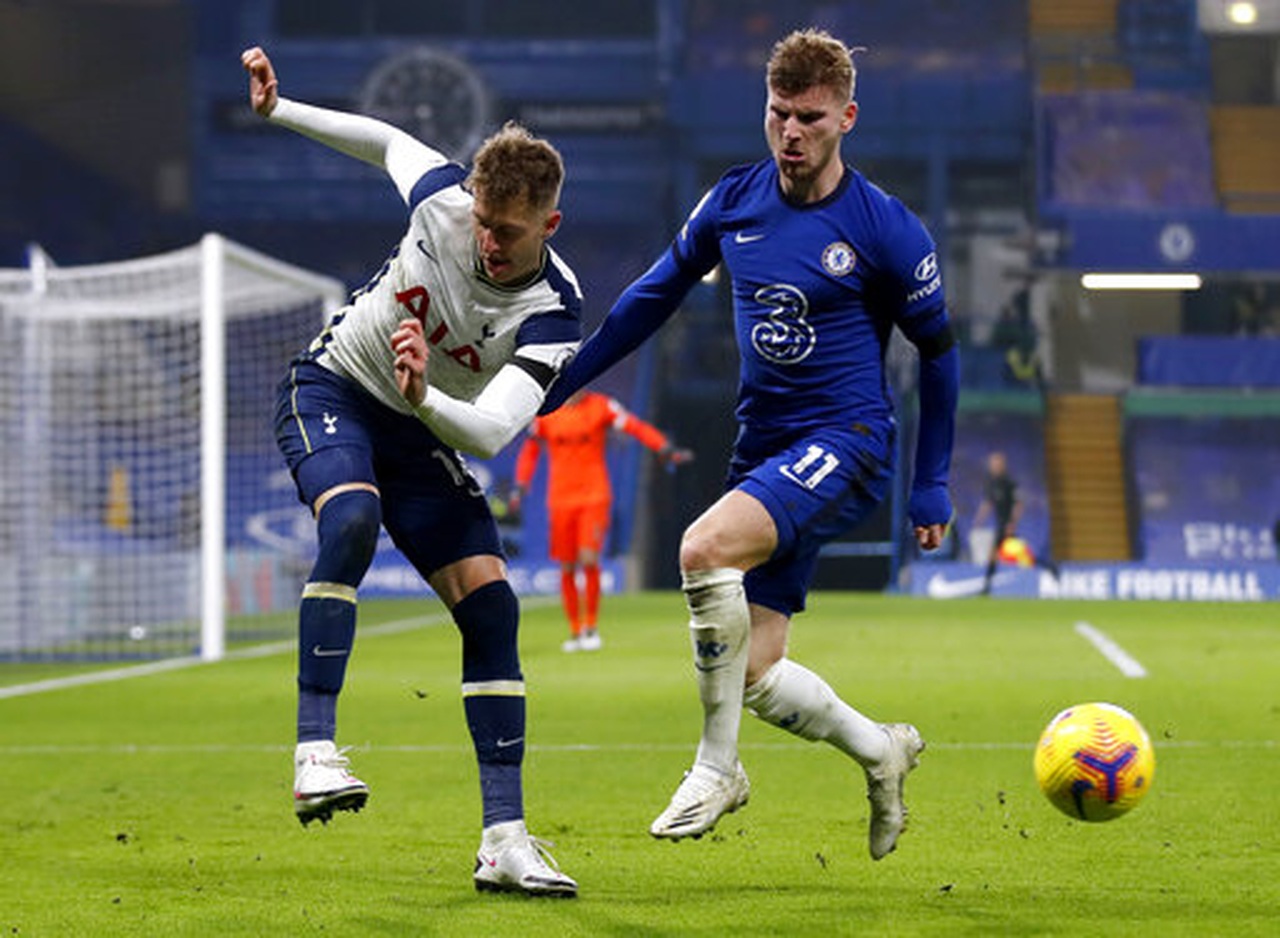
(450, 347)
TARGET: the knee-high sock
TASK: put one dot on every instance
(569, 597)
(720, 626)
(348, 532)
(591, 601)
(493, 696)
(793, 698)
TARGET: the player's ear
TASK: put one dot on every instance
(552, 223)
(849, 118)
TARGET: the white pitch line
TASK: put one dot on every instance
(191, 661)
(1129, 666)
(256, 651)
(73, 750)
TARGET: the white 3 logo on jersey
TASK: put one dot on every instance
(786, 337)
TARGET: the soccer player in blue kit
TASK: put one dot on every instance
(449, 347)
(824, 265)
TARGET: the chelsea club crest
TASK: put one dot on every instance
(838, 259)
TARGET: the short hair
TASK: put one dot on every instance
(809, 58)
(513, 165)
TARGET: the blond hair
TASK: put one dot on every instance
(812, 58)
(513, 166)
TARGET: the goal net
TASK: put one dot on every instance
(137, 457)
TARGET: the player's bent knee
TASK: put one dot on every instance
(348, 529)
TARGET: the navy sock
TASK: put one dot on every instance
(326, 633)
(348, 532)
(493, 696)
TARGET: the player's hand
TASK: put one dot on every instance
(675, 456)
(930, 536)
(410, 348)
(263, 87)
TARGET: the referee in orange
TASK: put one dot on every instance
(579, 496)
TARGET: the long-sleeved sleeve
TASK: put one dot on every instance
(365, 138)
(930, 502)
(636, 315)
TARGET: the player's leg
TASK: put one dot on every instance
(333, 472)
(562, 548)
(783, 692)
(468, 572)
(571, 602)
(788, 695)
(592, 530)
(736, 533)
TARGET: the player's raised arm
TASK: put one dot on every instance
(372, 141)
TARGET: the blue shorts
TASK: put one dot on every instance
(332, 432)
(815, 489)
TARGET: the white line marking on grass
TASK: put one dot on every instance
(162, 749)
(1129, 666)
(177, 664)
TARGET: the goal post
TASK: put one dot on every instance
(135, 446)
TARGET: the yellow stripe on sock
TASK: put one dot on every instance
(493, 689)
(329, 591)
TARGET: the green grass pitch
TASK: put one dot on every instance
(160, 805)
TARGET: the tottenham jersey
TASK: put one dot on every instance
(473, 326)
(817, 289)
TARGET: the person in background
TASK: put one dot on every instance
(373, 439)
(1002, 505)
(579, 496)
(823, 266)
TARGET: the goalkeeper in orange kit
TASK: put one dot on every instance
(579, 496)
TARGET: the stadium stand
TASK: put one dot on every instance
(1111, 149)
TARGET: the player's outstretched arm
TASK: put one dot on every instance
(364, 138)
(639, 312)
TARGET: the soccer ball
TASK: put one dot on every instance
(1094, 761)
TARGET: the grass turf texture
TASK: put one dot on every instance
(161, 805)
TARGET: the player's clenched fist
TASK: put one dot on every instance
(410, 348)
(263, 87)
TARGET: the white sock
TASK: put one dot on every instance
(720, 626)
(793, 698)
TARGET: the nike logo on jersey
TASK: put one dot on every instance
(328, 652)
(422, 246)
(743, 238)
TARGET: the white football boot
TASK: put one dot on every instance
(884, 787)
(705, 795)
(322, 783)
(590, 640)
(510, 859)
(570, 645)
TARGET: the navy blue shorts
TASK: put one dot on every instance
(332, 432)
(815, 489)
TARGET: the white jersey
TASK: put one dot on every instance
(473, 326)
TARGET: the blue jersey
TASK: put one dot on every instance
(817, 290)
